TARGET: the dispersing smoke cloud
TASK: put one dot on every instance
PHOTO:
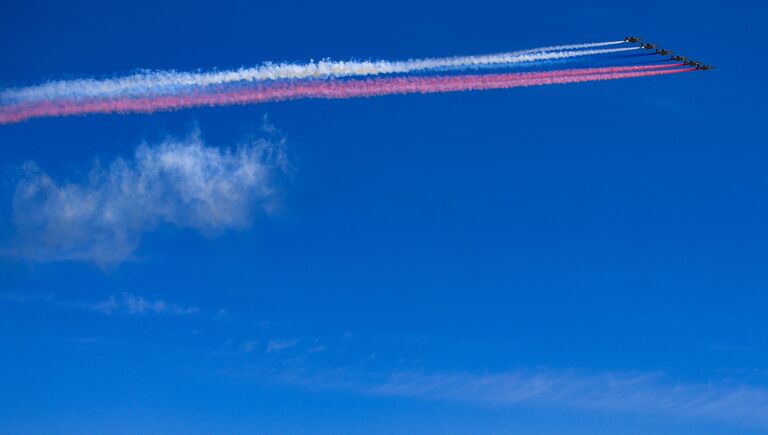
(181, 182)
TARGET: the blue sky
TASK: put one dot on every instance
(582, 258)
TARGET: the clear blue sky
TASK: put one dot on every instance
(584, 258)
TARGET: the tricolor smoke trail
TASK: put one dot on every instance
(159, 91)
(154, 82)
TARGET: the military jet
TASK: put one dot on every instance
(679, 58)
(632, 39)
(702, 67)
(648, 46)
(663, 52)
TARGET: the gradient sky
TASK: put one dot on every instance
(584, 258)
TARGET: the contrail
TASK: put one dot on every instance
(329, 89)
(164, 82)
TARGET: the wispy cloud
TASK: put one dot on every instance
(124, 303)
(180, 182)
(629, 392)
(316, 365)
(277, 345)
(131, 304)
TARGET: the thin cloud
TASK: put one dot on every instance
(124, 303)
(127, 303)
(625, 391)
(628, 392)
(181, 182)
(631, 393)
(280, 344)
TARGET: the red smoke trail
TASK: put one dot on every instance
(330, 89)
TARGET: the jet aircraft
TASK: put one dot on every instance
(664, 52)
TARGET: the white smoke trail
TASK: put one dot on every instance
(159, 82)
(570, 47)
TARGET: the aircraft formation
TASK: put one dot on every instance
(153, 91)
(665, 52)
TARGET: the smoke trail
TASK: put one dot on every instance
(330, 89)
(160, 82)
(551, 62)
(571, 47)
